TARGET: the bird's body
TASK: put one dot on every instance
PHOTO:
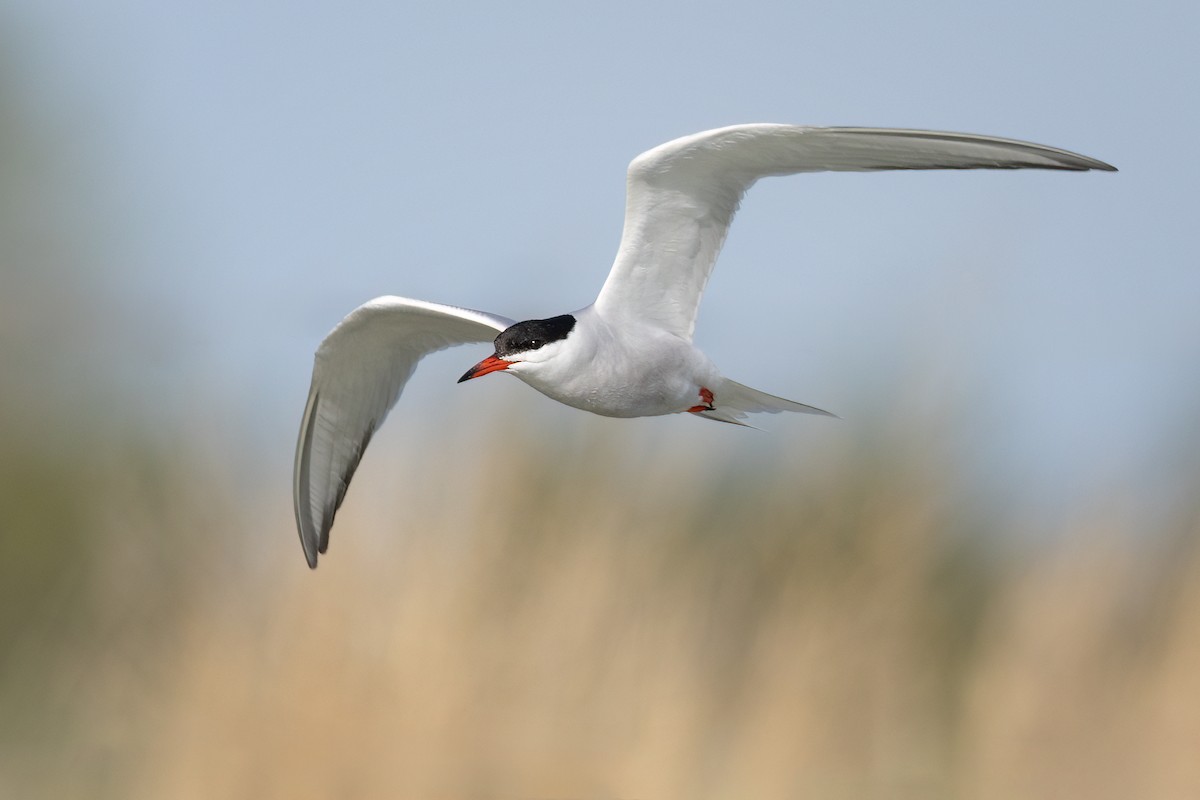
(632, 370)
(629, 354)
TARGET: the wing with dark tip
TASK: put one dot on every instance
(358, 374)
(681, 197)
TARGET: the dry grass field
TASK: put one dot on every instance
(584, 616)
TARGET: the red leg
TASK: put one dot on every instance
(707, 396)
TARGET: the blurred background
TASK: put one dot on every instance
(983, 581)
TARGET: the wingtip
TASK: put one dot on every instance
(300, 480)
(1098, 165)
(309, 543)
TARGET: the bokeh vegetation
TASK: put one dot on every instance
(544, 625)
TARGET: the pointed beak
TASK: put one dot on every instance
(489, 364)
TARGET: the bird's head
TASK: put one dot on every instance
(525, 345)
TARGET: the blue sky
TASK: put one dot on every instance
(265, 167)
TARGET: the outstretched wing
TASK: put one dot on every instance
(358, 374)
(681, 197)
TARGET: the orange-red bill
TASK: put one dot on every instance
(489, 364)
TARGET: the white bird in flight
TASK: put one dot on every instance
(630, 353)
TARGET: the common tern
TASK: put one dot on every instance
(630, 353)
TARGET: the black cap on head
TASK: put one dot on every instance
(532, 334)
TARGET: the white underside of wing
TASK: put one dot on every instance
(359, 372)
(681, 197)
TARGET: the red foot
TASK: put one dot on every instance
(707, 396)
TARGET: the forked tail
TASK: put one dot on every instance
(733, 401)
